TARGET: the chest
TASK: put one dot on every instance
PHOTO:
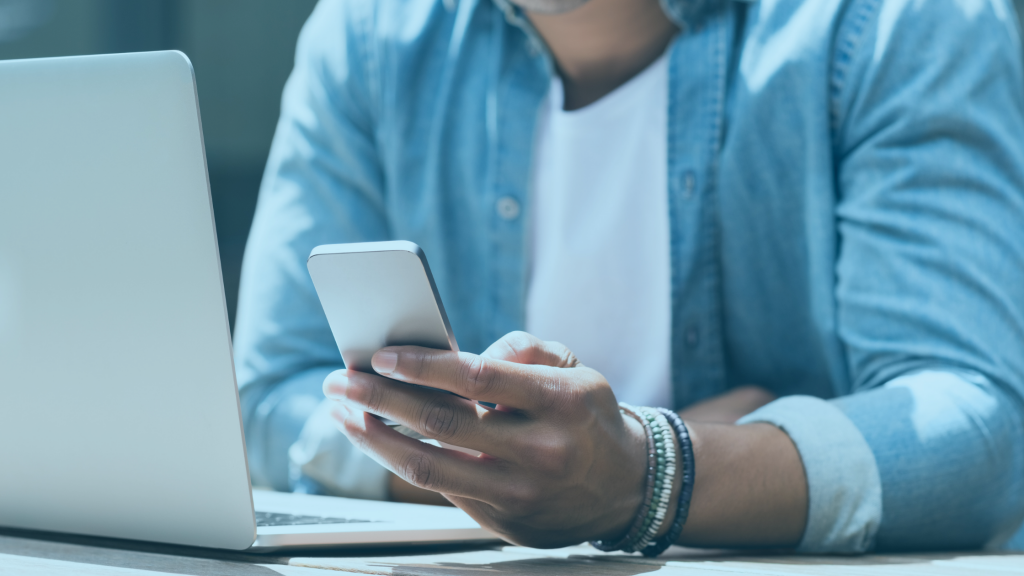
(748, 188)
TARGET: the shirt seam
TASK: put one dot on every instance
(849, 38)
(369, 56)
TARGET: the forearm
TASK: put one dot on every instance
(922, 439)
(274, 416)
(729, 407)
(750, 488)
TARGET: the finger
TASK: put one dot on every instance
(521, 386)
(340, 412)
(483, 513)
(524, 348)
(424, 465)
(433, 414)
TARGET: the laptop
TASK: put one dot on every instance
(119, 411)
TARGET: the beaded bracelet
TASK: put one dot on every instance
(664, 477)
(685, 494)
(634, 532)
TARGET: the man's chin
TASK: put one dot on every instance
(549, 6)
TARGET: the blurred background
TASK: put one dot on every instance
(242, 52)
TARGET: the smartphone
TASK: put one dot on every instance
(378, 294)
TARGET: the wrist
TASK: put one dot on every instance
(668, 484)
(659, 477)
(631, 498)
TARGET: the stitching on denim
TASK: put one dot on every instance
(712, 252)
(722, 79)
(848, 40)
(370, 58)
(675, 246)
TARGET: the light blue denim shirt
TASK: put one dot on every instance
(847, 230)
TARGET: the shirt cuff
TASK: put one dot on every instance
(844, 487)
(326, 456)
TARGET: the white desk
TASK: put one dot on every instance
(24, 554)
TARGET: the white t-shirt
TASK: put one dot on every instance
(600, 269)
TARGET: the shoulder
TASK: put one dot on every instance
(938, 31)
(371, 43)
(880, 29)
(375, 24)
(866, 50)
(931, 55)
(348, 49)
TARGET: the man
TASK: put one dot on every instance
(712, 204)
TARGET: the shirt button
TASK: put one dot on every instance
(689, 184)
(508, 208)
(692, 337)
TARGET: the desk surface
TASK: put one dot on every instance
(23, 555)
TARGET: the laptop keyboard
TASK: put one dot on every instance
(277, 519)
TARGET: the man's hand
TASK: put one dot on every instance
(560, 464)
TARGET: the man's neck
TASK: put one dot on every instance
(602, 44)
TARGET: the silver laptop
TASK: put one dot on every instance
(119, 413)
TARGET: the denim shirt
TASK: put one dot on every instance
(845, 186)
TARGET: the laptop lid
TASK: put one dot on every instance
(119, 413)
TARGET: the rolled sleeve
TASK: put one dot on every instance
(273, 416)
(325, 455)
(844, 487)
(930, 460)
(949, 450)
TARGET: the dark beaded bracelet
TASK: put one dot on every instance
(633, 534)
(664, 478)
(683, 506)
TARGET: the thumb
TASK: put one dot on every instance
(523, 348)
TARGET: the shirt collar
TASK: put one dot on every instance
(687, 14)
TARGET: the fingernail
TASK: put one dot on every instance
(384, 362)
(334, 386)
